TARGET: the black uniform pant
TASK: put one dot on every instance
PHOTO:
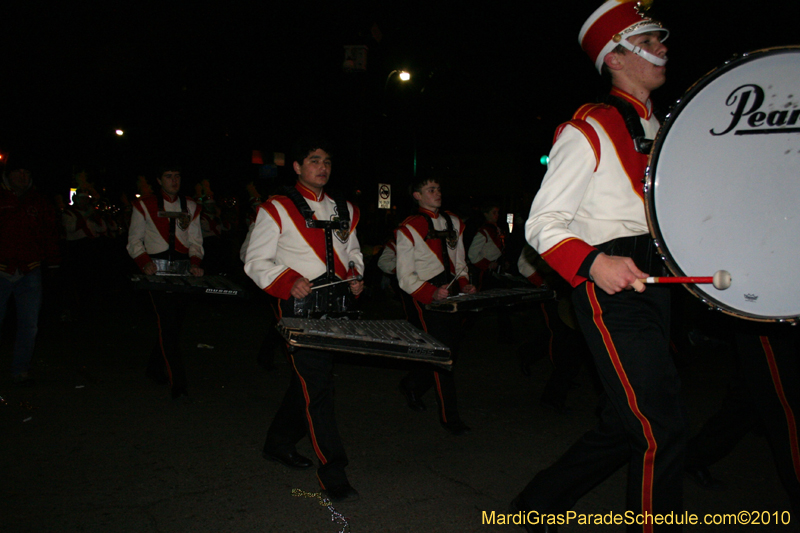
(564, 347)
(765, 394)
(446, 328)
(308, 409)
(642, 422)
(166, 358)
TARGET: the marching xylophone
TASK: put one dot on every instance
(200, 285)
(490, 298)
(388, 338)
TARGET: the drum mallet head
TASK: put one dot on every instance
(722, 279)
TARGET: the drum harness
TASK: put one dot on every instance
(328, 226)
(640, 248)
(444, 236)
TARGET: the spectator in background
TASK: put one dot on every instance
(28, 239)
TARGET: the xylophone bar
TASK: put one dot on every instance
(219, 285)
(491, 298)
(387, 338)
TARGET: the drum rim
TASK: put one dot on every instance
(652, 164)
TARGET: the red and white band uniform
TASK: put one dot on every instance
(80, 225)
(419, 261)
(604, 200)
(281, 251)
(387, 261)
(592, 194)
(486, 248)
(211, 225)
(149, 236)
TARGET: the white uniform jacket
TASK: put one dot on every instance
(149, 233)
(387, 261)
(593, 189)
(418, 260)
(282, 249)
(79, 226)
(486, 246)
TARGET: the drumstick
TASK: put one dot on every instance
(357, 278)
(348, 280)
(455, 278)
(721, 279)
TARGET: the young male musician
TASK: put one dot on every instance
(165, 230)
(486, 250)
(588, 222)
(431, 266)
(304, 238)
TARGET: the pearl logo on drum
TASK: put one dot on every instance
(748, 101)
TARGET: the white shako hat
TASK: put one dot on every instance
(611, 25)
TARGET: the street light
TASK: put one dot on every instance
(402, 74)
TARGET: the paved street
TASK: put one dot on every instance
(96, 447)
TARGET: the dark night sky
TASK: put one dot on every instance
(208, 84)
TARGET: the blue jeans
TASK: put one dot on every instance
(27, 293)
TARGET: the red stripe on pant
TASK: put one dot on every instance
(650, 454)
(311, 435)
(787, 409)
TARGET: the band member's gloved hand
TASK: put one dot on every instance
(301, 288)
(614, 274)
(356, 287)
(441, 293)
(150, 268)
(469, 289)
(196, 271)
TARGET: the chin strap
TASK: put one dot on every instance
(643, 53)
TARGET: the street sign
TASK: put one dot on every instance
(384, 196)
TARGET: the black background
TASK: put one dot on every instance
(207, 84)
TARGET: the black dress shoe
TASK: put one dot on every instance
(517, 506)
(702, 478)
(456, 427)
(414, 402)
(290, 459)
(340, 493)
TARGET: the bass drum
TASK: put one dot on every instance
(722, 190)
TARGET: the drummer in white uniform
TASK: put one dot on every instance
(588, 222)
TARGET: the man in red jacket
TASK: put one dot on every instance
(28, 238)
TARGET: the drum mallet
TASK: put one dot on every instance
(721, 279)
(455, 278)
(359, 277)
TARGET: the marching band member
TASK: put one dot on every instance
(165, 236)
(588, 222)
(486, 250)
(303, 238)
(430, 266)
